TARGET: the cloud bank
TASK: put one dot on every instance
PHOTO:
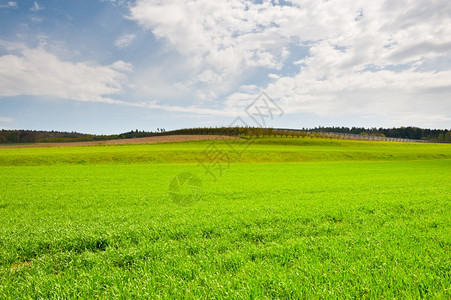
(37, 72)
(386, 61)
(124, 40)
(389, 58)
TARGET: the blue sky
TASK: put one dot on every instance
(104, 66)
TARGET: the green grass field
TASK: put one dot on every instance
(291, 218)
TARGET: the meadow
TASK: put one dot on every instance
(290, 218)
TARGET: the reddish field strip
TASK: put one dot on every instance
(145, 140)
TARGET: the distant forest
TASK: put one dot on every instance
(414, 133)
(32, 136)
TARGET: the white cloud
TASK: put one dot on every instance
(184, 109)
(388, 59)
(373, 58)
(4, 119)
(372, 67)
(12, 46)
(39, 73)
(118, 2)
(124, 40)
(9, 4)
(221, 37)
(36, 7)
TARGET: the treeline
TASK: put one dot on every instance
(359, 133)
(138, 134)
(33, 136)
(356, 133)
(414, 133)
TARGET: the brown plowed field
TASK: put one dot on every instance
(145, 140)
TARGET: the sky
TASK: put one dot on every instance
(111, 66)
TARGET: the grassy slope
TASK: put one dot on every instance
(262, 150)
(346, 229)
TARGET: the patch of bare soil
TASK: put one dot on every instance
(144, 140)
(20, 265)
